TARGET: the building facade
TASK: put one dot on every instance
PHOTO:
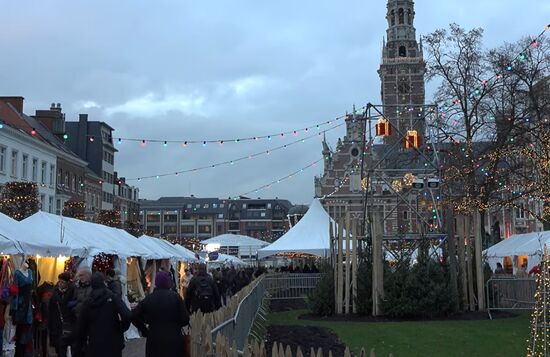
(93, 193)
(126, 201)
(24, 155)
(183, 218)
(92, 141)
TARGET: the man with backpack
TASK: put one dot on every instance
(202, 293)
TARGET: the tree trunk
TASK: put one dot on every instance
(478, 231)
(470, 263)
(377, 265)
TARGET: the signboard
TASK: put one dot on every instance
(213, 256)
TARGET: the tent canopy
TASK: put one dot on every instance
(529, 244)
(78, 234)
(165, 250)
(10, 232)
(235, 240)
(311, 235)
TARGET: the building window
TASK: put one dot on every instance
(409, 17)
(14, 157)
(170, 229)
(25, 167)
(268, 205)
(406, 215)
(220, 215)
(44, 168)
(205, 229)
(402, 51)
(2, 159)
(35, 170)
(74, 182)
(244, 205)
(50, 204)
(221, 205)
(401, 13)
(214, 205)
(392, 17)
(188, 229)
(206, 205)
(520, 211)
(58, 207)
(43, 202)
(66, 183)
(170, 218)
(52, 174)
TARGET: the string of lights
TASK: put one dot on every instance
(239, 159)
(204, 142)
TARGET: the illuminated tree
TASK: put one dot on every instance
(109, 218)
(74, 209)
(19, 200)
(539, 341)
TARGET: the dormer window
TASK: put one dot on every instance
(401, 13)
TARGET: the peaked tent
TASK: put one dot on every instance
(96, 238)
(164, 249)
(235, 240)
(9, 234)
(310, 235)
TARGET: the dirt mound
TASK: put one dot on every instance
(305, 337)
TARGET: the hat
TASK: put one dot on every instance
(65, 276)
(163, 280)
(98, 280)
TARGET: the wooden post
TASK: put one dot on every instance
(377, 287)
(462, 259)
(347, 265)
(469, 262)
(355, 265)
(479, 262)
(340, 268)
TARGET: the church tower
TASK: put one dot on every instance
(402, 71)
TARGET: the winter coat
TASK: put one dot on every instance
(191, 294)
(61, 318)
(116, 287)
(101, 325)
(165, 314)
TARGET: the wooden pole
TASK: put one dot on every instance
(355, 265)
(462, 260)
(451, 253)
(479, 262)
(469, 262)
(377, 287)
(340, 267)
(347, 265)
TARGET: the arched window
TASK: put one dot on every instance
(402, 51)
(409, 17)
(392, 17)
(401, 13)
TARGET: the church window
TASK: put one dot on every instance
(402, 51)
(392, 17)
(401, 13)
(409, 17)
(354, 152)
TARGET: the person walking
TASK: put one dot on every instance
(160, 318)
(202, 293)
(80, 294)
(103, 320)
(60, 323)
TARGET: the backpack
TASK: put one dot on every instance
(205, 294)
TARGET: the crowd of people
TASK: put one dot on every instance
(306, 269)
(86, 313)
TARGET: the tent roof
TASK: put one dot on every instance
(165, 250)
(32, 240)
(78, 234)
(310, 235)
(185, 252)
(236, 240)
(9, 234)
(520, 244)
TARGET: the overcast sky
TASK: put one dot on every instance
(194, 70)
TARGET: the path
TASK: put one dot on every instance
(134, 348)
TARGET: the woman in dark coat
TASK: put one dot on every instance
(102, 322)
(165, 314)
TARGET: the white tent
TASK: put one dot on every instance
(31, 240)
(159, 250)
(8, 236)
(310, 235)
(247, 246)
(225, 260)
(77, 234)
(529, 244)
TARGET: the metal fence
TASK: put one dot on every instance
(290, 286)
(238, 327)
(510, 294)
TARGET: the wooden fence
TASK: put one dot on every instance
(204, 345)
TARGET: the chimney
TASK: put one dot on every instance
(16, 102)
(83, 118)
(53, 119)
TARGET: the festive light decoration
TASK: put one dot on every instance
(19, 200)
(412, 140)
(397, 186)
(539, 342)
(110, 218)
(408, 179)
(74, 209)
(239, 159)
(383, 127)
(204, 142)
(103, 262)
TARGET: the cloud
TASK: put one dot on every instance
(152, 104)
(85, 104)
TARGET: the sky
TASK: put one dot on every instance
(208, 70)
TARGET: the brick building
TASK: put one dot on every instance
(181, 218)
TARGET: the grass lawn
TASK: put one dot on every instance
(502, 337)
